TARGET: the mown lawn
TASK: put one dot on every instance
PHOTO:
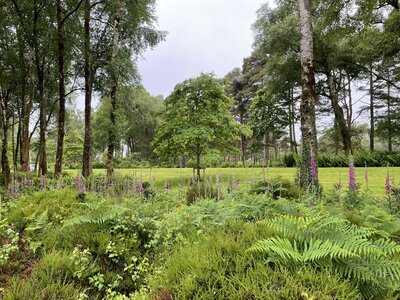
(179, 178)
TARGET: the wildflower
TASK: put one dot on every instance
(141, 187)
(313, 169)
(388, 186)
(24, 183)
(42, 182)
(79, 183)
(366, 174)
(352, 177)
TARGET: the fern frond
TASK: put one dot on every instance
(38, 221)
(98, 214)
(281, 246)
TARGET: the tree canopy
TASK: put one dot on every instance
(196, 121)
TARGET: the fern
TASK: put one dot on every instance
(98, 213)
(38, 222)
(358, 253)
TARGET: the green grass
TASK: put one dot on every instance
(328, 176)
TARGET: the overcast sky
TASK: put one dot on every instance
(203, 36)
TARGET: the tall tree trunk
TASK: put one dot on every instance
(42, 170)
(293, 122)
(242, 143)
(113, 91)
(308, 96)
(61, 91)
(339, 114)
(198, 165)
(389, 116)
(371, 112)
(350, 114)
(61, 83)
(26, 112)
(5, 164)
(267, 147)
(87, 144)
(290, 122)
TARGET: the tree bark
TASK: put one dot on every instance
(339, 114)
(87, 144)
(61, 91)
(42, 170)
(198, 166)
(113, 91)
(389, 116)
(5, 164)
(308, 96)
(26, 112)
(267, 147)
(371, 112)
(293, 122)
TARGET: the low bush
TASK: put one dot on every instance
(277, 187)
(50, 279)
(217, 267)
(200, 190)
(360, 254)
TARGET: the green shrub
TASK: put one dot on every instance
(51, 279)
(277, 187)
(290, 159)
(216, 267)
(357, 253)
(200, 190)
(58, 205)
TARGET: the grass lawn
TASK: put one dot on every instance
(328, 176)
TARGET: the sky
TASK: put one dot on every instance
(203, 36)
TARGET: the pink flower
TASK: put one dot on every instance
(313, 169)
(352, 177)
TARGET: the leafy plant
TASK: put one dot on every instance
(358, 253)
(276, 187)
(215, 266)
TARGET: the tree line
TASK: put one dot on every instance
(309, 61)
(51, 49)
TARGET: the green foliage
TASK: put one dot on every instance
(357, 253)
(9, 243)
(216, 267)
(51, 279)
(277, 187)
(394, 201)
(196, 121)
(97, 213)
(290, 159)
(200, 190)
(371, 159)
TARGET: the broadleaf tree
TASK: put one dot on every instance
(197, 121)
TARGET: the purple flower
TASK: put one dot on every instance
(42, 182)
(24, 183)
(79, 183)
(141, 188)
(313, 169)
(352, 177)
